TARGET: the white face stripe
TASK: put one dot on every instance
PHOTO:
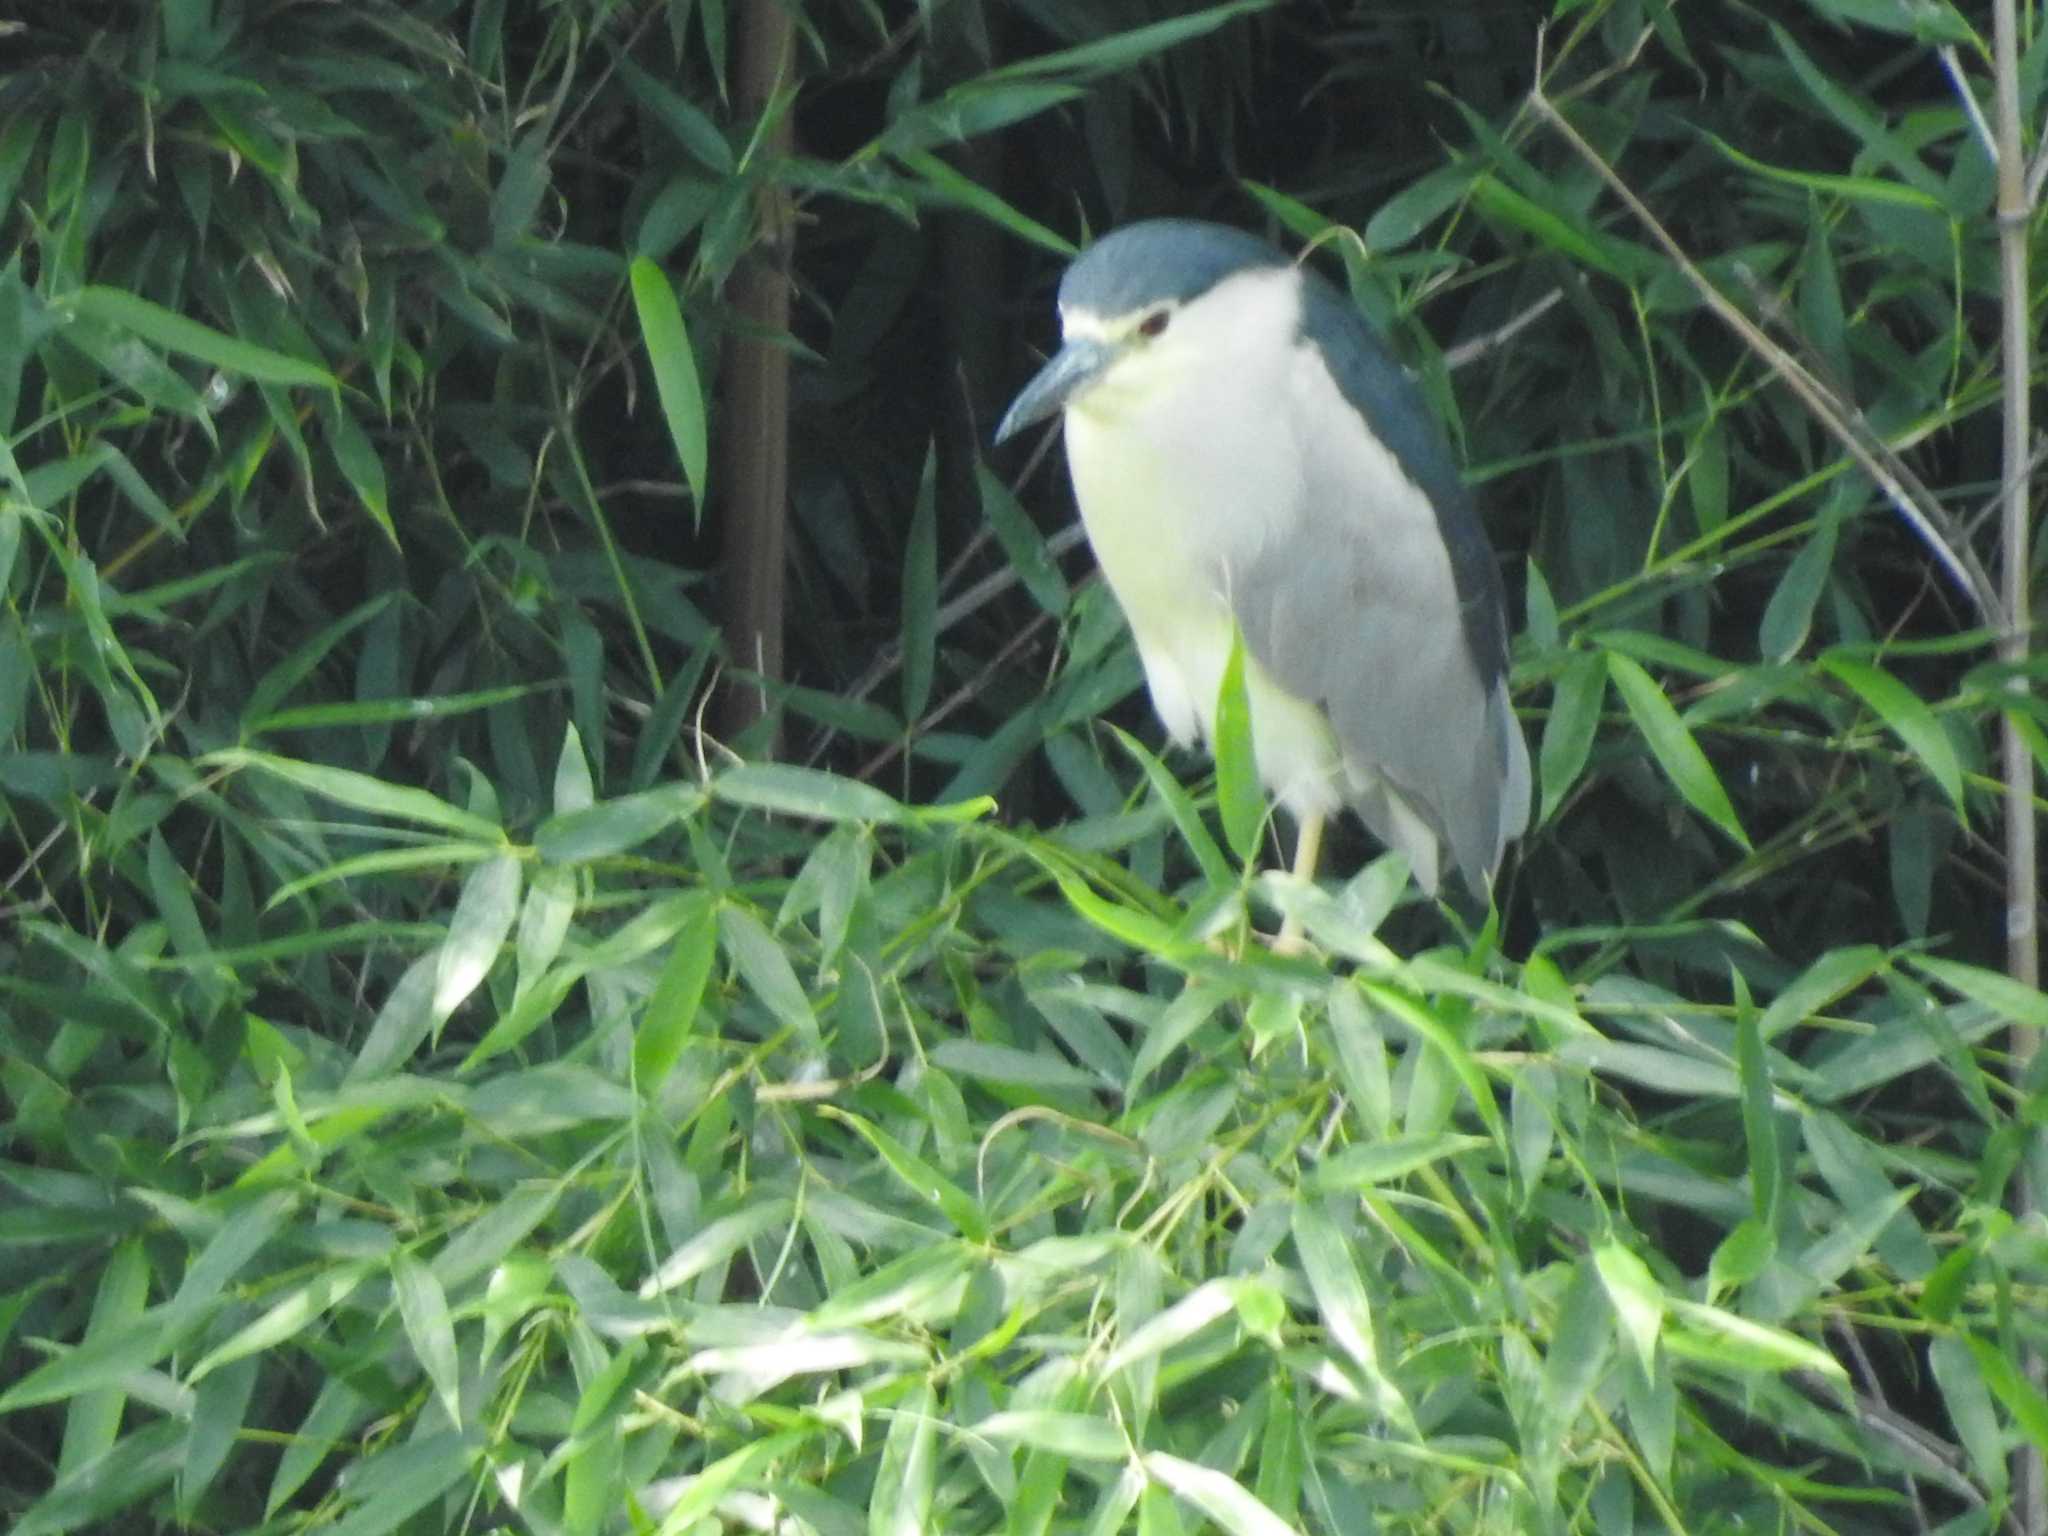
(1113, 330)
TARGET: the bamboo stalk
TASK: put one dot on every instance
(753, 436)
(2022, 937)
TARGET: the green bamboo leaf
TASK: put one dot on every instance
(1637, 1299)
(899, 1290)
(1575, 1363)
(1384, 1161)
(2022, 1399)
(923, 1180)
(126, 359)
(384, 862)
(1863, 121)
(1834, 975)
(789, 789)
(173, 332)
(1082, 1436)
(423, 1309)
(477, 928)
(132, 1469)
(1221, 1498)
(594, 1405)
(1653, 1067)
(277, 684)
(1020, 539)
(1759, 1122)
(901, 1501)
(1997, 991)
(1684, 764)
(1917, 841)
(220, 1407)
(1788, 616)
(1583, 246)
(1724, 1340)
(1740, 1256)
(702, 1494)
(92, 1420)
(395, 1484)
(1207, 1303)
(671, 1014)
(1240, 798)
(1856, 188)
(356, 456)
(1341, 1297)
(862, 719)
(714, 1243)
(1456, 1054)
(977, 107)
(118, 468)
(314, 717)
(675, 371)
(921, 591)
(613, 827)
(676, 211)
(1123, 49)
(1707, 481)
(535, 1004)
(1843, 1244)
(17, 142)
(361, 792)
(98, 1363)
(247, 1231)
(951, 186)
(301, 1307)
(1663, 651)
(1909, 718)
(696, 133)
(1006, 1064)
(764, 967)
(1541, 622)
(1967, 1397)
(337, 1409)
(1930, 21)
(1402, 217)
(1126, 924)
(594, 1454)
(1180, 806)
(1568, 733)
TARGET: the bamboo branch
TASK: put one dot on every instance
(1920, 511)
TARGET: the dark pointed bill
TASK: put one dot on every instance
(1072, 369)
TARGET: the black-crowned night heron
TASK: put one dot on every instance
(1250, 459)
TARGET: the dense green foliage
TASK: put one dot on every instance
(447, 1088)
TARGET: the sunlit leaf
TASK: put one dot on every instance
(675, 371)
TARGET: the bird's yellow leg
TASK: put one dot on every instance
(1308, 848)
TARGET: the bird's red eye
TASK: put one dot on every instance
(1154, 324)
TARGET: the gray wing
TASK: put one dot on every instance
(1381, 603)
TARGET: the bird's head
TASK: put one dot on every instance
(1144, 306)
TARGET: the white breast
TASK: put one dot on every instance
(1180, 482)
